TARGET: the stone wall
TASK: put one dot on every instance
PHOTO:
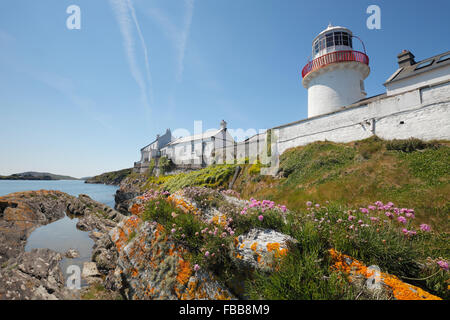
(422, 113)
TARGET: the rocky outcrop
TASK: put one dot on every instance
(36, 274)
(110, 178)
(258, 248)
(129, 189)
(151, 266)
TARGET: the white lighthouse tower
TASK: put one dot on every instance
(335, 75)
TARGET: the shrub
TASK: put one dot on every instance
(410, 145)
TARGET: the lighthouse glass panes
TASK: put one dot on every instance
(332, 39)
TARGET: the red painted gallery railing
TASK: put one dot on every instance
(333, 57)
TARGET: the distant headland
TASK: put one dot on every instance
(31, 175)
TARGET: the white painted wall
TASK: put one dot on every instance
(422, 113)
(335, 86)
(425, 114)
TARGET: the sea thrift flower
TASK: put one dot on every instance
(389, 215)
(260, 218)
(443, 265)
(196, 267)
(350, 218)
(317, 205)
(401, 219)
(374, 219)
(207, 254)
(425, 227)
(360, 222)
(364, 210)
(405, 231)
(309, 203)
(173, 230)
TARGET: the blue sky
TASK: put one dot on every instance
(83, 102)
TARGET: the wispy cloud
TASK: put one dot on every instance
(126, 17)
(179, 36)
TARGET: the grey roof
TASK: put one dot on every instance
(412, 70)
(200, 136)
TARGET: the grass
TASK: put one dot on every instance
(358, 173)
(114, 177)
(215, 176)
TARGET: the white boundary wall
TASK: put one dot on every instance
(422, 113)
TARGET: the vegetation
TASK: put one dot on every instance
(361, 172)
(112, 178)
(215, 176)
(336, 196)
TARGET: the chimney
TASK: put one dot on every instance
(223, 124)
(405, 58)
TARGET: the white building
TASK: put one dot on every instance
(411, 75)
(198, 150)
(152, 150)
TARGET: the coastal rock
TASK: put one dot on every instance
(34, 275)
(259, 247)
(72, 253)
(129, 189)
(151, 266)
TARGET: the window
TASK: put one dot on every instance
(192, 147)
(338, 38)
(345, 39)
(444, 57)
(424, 64)
(316, 47)
(329, 38)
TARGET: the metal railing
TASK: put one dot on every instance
(335, 57)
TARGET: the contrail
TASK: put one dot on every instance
(184, 37)
(121, 9)
(144, 46)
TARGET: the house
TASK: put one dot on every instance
(152, 151)
(198, 150)
(411, 75)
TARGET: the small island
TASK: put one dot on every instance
(31, 175)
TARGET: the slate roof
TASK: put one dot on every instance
(425, 65)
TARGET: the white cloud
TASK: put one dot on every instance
(126, 16)
(178, 36)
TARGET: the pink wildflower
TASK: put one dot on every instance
(443, 265)
(401, 219)
(260, 218)
(425, 227)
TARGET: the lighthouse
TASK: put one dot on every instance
(335, 75)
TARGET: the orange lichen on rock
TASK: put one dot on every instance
(181, 203)
(184, 271)
(275, 247)
(137, 209)
(400, 289)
